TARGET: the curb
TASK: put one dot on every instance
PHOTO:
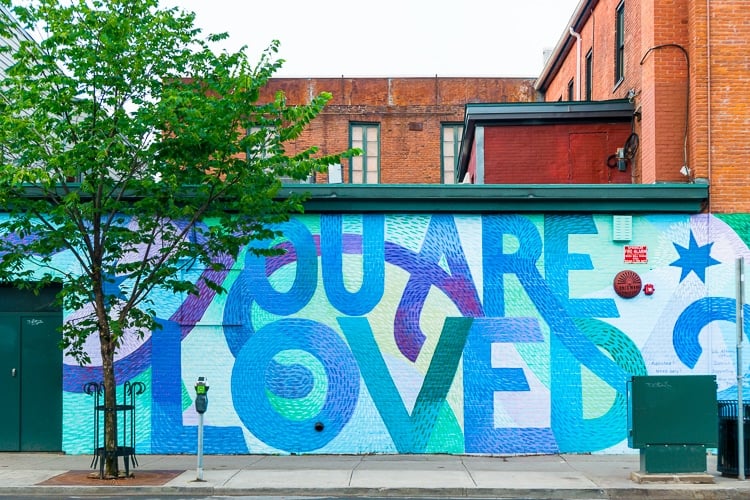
(658, 493)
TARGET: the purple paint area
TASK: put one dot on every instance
(408, 334)
(511, 330)
(74, 376)
(424, 275)
(187, 315)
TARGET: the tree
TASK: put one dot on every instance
(132, 147)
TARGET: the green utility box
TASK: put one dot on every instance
(672, 419)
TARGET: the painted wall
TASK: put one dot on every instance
(561, 153)
(490, 334)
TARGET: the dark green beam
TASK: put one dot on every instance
(430, 198)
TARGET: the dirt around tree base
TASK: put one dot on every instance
(136, 478)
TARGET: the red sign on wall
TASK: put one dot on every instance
(636, 254)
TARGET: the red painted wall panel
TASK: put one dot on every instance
(554, 154)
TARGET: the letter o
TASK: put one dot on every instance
(250, 396)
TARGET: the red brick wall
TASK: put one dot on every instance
(720, 103)
(664, 87)
(718, 110)
(660, 83)
(410, 112)
(698, 122)
(553, 154)
(598, 36)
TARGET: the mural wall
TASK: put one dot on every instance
(489, 334)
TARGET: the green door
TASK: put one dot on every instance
(10, 383)
(31, 378)
(41, 382)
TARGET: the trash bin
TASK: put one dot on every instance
(728, 457)
(672, 420)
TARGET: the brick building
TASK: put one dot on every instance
(685, 67)
(409, 128)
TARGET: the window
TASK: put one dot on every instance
(365, 169)
(450, 145)
(589, 74)
(620, 43)
(261, 150)
(571, 94)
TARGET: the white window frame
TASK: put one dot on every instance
(450, 146)
(365, 168)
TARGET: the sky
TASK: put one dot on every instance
(331, 38)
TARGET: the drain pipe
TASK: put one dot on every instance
(578, 62)
(708, 96)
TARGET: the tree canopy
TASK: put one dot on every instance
(133, 148)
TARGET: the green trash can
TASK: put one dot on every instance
(672, 419)
(728, 456)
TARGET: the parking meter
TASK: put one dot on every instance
(201, 403)
(201, 395)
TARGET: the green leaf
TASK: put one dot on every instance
(125, 160)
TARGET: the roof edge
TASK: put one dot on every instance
(502, 198)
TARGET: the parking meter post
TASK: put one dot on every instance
(199, 476)
(201, 404)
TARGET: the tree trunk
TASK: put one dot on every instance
(110, 402)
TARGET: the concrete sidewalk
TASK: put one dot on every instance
(538, 477)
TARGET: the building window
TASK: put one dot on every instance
(620, 43)
(450, 145)
(571, 94)
(365, 169)
(260, 149)
(589, 74)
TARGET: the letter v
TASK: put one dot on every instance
(410, 433)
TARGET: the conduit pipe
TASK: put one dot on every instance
(708, 96)
(578, 62)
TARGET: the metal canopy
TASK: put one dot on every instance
(499, 198)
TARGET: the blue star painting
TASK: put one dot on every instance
(694, 258)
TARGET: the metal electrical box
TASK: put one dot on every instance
(672, 419)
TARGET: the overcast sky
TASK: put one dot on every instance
(391, 37)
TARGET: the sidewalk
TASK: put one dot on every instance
(539, 477)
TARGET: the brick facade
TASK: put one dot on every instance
(410, 112)
(688, 64)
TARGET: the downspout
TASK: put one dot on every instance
(578, 62)
(708, 93)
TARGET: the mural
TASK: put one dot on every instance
(488, 334)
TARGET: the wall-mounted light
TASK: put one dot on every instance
(622, 163)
